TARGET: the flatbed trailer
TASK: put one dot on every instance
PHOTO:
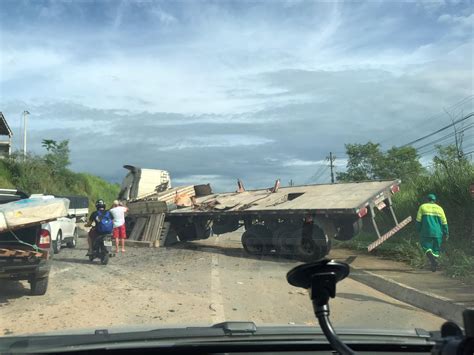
(300, 220)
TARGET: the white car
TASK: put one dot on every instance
(63, 231)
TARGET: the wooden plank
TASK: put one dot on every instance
(168, 196)
(148, 228)
(165, 228)
(146, 207)
(19, 253)
(6, 252)
(160, 219)
(156, 223)
(138, 228)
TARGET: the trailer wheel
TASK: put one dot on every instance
(187, 233)
(348, 229)
(284, 239)
(257, 240)
(225, 225)
(312, 243)
(193, 231)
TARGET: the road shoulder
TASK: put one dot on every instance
(432, 292)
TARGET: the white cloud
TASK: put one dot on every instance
(300, 162)
(164, 17)
(215, 141)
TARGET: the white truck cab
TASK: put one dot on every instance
(139, 183)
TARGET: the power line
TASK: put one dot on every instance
(449, 135)
(320, 173)
(439, 130)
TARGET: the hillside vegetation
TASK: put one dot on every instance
(48, 174)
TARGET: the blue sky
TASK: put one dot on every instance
(216, 90)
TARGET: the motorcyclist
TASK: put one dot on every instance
(95, 218)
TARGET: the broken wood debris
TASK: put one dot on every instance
(19, 253)
(148, 229)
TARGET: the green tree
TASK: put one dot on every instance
(362, 163)
(367, 162)
(400, 163)
(57, 157)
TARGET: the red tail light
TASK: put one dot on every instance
(44, 239)
(395, 189)
(362, 212)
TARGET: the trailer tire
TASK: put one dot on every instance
(187, 233)
(284, 239)
(225, 225)
(312, 244)
(348, 229)
(257, 240)
(193, 231)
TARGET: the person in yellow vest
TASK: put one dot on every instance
(432, 225)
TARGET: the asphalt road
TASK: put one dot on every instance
(196, 283)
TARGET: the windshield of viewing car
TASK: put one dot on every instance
(200, 150)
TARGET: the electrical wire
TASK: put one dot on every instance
(449, 135)
(462, 119)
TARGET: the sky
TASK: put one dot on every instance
(213, 91)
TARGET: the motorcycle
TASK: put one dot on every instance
(101, 248)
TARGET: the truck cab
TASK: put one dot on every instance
(25, 253)
(139, 183)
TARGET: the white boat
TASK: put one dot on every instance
(30, 211)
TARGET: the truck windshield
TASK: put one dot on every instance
(194, 152)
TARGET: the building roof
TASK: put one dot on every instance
(4, 127)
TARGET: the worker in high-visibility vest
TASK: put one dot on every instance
(432, 225)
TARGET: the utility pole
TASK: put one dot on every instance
(331, 158)
(25, 120)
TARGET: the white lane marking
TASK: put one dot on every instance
(54, 272)
(216, 291)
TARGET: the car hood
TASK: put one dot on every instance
(137, 336)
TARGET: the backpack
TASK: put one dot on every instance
(104, 223)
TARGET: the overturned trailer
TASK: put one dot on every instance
(299, 221)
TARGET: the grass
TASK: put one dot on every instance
(404, 247)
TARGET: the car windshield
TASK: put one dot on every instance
(181, 157)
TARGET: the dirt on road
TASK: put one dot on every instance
(195, 283)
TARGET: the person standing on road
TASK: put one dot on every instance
(432, 225)
(118, 213)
